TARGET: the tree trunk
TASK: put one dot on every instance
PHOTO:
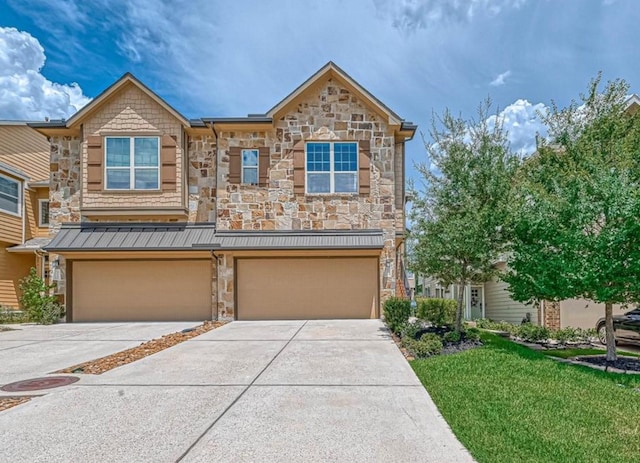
(611, 340)
(459, 311)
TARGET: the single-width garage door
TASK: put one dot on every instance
(306, 288)
(150, 290)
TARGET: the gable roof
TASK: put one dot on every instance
(332, 70)
(632, 104)
(127, 78)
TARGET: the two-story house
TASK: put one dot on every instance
(296, 213)
(24, 206)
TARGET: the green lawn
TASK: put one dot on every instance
(566, 353)
(507, 403)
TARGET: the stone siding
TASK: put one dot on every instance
(332, 113)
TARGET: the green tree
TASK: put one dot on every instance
(36, 300)
(575, 222)
(458, 213)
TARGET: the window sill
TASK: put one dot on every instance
(12, 214)
(127, 192)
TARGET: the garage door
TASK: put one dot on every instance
(161, 290)
(307, 288)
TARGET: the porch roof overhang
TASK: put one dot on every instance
(297, 240)
(30, 246)
(93, 237)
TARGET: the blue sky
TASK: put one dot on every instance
(215, 58)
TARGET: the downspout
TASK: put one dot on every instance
(24, 211)
(541, 321)
(215, 209)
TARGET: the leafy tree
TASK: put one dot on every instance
(39, 305)
(575, 222)
(457, 215)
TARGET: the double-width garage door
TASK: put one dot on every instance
(306, 288)
(143, 290)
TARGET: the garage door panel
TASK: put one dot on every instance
(302, 288)
(141, 290)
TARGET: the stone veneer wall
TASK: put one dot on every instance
(202, 179)
(332, 113)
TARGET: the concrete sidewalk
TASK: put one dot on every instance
(247, 392)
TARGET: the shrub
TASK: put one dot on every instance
(570, 334)
(429, 344)
(472, 334)
(451, 336)
(38, 305)
(396, 313)
(8, 316)
(440, 312)
(532, 333)
(410, 329)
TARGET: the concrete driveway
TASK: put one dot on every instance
(284, 391)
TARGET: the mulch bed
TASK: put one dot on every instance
(454, 348)
(8, 402)
(623, 363)
(99, 366)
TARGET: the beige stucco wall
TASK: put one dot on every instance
(580, 313)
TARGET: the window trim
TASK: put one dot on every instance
(132, 167)
(332, 171)
(19, 197)
(40, 222)
(256, 167)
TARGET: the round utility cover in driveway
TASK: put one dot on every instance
(37, 384)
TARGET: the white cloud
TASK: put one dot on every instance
(24, 92)
(408, 15)
(500, 79)
(522, 120)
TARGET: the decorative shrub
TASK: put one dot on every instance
(8, 316)
(429, 344)
(451, 336)
(472, 334)
(532, 333)
(396, 313)
(440, 312)
(410, 329)
(38, 305)
(487, 324)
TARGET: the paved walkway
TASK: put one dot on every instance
(313, 391)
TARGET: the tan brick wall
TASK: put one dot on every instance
(131, 112)
(332, 113)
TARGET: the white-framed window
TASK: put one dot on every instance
(250, 167)
(332, 167)
(132, 163)
(43, 212)
(10, 195)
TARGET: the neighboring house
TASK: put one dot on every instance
(24, 206)
(295, 213)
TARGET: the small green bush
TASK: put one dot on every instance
(487, 324)
(429, 344)
(9, 316)
(396, 313)
(472, 334)
(451, 336)
(440, 312)
(410, 329)
(532, 333)
(38, 305)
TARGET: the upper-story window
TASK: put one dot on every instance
(250, 167)
(10, 195)
(332, 167)
(132, 163)
(43, 212)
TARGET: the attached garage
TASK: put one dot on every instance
(306, 288)
(141, 290)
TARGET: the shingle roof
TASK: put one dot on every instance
(180, 236)
(130, 237)
(317, 239)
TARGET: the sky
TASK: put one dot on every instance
(231, 58)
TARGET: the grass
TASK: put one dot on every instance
(507, 403)
(567, 353)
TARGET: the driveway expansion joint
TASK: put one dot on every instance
(230, 406)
